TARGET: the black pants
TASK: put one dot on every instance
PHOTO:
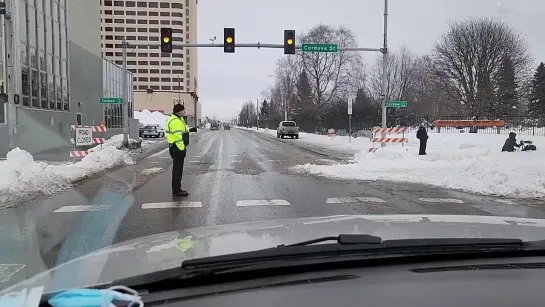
(423, 144)
(178, 157)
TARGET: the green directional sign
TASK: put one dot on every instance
(396, 104)
(319, 47)
(113, 100)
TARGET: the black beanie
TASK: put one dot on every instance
(178, 108)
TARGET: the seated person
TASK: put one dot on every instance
(511, 143)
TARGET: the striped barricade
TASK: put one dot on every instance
(384, 140)
(95, 140)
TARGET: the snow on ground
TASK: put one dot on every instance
(22, 178)
(151, 118)
(469, 162)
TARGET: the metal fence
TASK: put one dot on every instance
(521, 124)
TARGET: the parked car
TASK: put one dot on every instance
(141, 130)
(153, 131)
(287, 128)
(226, 127)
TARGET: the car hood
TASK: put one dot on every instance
(168, 250)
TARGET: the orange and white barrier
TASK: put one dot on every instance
(384, 140)
(78, 153)
(89, 139)
(95, 128)
(393, 130)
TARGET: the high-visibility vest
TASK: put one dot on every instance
(175, 129)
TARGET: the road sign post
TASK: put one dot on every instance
(111, 100)
(319, 47)
(349, 121)
(396, 104)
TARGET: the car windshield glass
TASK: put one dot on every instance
(288, 124)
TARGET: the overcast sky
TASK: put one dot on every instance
(227, 80)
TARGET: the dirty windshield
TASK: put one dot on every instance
(135, 134)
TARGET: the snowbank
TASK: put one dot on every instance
(151, 118)
(470, 162)
(22, 178)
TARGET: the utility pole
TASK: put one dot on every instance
(257, 104)
(125, 100)
(384, 69)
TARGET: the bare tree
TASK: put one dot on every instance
(400, 75)
(330, 72)
(287, 72)
(468, 58)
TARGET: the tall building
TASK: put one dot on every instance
(161, 80)
(54, 74)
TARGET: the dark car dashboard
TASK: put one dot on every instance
(486, 282)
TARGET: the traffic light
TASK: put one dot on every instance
(229, 40)
(289, 41)
(166, 40)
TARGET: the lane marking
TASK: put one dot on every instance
(82, 208)
(506, 201)
(442, 200)
(264, 202)
(348, 200)
(234, 155)
(194, 161)
(159, 153)
(173, 205)
(151, 171)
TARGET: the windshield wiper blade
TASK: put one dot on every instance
(343, 239)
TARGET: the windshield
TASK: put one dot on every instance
(137, 134)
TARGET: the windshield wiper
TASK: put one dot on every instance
(344, 239)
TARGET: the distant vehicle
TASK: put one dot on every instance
(226, 127)
(287, 128)
(153, 131)
(215, 126)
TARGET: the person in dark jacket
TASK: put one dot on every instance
(511, 143)
(422, 135)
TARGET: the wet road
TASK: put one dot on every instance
(232, 176)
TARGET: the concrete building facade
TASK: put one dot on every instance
(55, 71)
(162, 80)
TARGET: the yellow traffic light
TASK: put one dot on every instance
(166, 39)
(229, 39)
(290, 41)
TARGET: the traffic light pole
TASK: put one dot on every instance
(384, 91)
(257, 45)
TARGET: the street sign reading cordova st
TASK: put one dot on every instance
(396, 104)
(319, 47)
(113, 100)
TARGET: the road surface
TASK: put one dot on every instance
(232, 176)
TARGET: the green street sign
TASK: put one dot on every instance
(319, 47)
(396, 104)
(113, 100)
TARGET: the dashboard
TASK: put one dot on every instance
(488, 282)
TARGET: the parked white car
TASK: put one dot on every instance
(153, 131)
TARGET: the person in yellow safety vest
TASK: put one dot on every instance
(177, 135)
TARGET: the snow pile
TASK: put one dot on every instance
(470, 162)
(151, 118)
(22, 178)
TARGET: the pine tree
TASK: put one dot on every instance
(506, 94)
(265, 109)
(536, 107)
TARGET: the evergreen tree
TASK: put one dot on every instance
(265, 109)
(536, 107)
(506, 94)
